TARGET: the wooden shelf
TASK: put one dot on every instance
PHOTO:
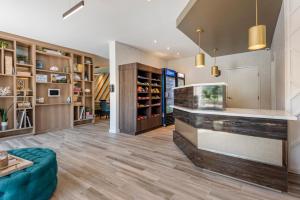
(52, 104)
(24, 76)
(54, 72)
(10, 50)
(25, 108)
(24, 65)
(7, 96)
(54, 83)
(8, 75)
(144, 78)
(53, 55)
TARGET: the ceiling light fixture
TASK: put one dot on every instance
(73, 10)
(155, 41)
(200, 57)
(215, 72)
(257, 35)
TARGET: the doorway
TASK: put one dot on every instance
(243, 89)
(102, 97)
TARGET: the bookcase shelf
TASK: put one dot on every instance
(20, 63)
(141, 110)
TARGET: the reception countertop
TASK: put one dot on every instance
(240, 112)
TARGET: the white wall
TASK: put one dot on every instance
(278, 61)
(120, 54)
(292, 72)
(259, 59)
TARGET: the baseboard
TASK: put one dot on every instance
(114, 131)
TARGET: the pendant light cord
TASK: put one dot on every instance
(256, 13)
(215, 50)
(199, 40)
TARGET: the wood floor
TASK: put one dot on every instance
(96, 165)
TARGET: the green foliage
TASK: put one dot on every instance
(3, 113)
(212, 93)
(3, 44)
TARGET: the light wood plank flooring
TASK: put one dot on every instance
(96, 165)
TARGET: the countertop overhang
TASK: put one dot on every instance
(240, 112)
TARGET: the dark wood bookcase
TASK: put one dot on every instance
(140, 98)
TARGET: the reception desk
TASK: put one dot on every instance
(250, 145)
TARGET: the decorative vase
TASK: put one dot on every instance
(4, 126)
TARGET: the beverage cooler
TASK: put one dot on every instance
(170, 79)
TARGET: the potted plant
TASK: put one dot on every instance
(4, 119)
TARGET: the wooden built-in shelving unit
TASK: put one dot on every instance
(21, 61)
(140, 98)
(83, 71)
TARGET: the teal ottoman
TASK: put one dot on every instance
(37, 182)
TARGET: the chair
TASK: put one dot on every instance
(105, 109)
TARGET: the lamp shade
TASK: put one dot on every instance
(257, 37)
(200, 60)
(215, 72)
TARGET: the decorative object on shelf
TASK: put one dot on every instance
(41, 78)
(24, 104)
(4, 118)
(39, 48)
(39, 64)
(69, 100)
(76, 89)
(3, 159)
(87, 91)
(257, 34)
(50, 51)
(57, 78)
(22, 59)
(200, 57)
(40, 100)
(23, 73)
(77, 77)
(5, 91)
(3, 44)
(79, 68)
(54, 68)
(8, 64)
(215, 72)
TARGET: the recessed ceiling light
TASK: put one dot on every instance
(168, 48)
(149, 0)
(155, 41)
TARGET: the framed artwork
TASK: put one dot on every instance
(22, 84)
(41, 78)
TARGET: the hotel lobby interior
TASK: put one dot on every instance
(150, 99)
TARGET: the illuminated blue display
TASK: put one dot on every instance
(170, 73)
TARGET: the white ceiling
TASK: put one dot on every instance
(134, 22)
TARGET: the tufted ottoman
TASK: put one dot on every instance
(37, 182)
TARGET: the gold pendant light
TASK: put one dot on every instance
(257, 35)
(200, 57)
(215, 72)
